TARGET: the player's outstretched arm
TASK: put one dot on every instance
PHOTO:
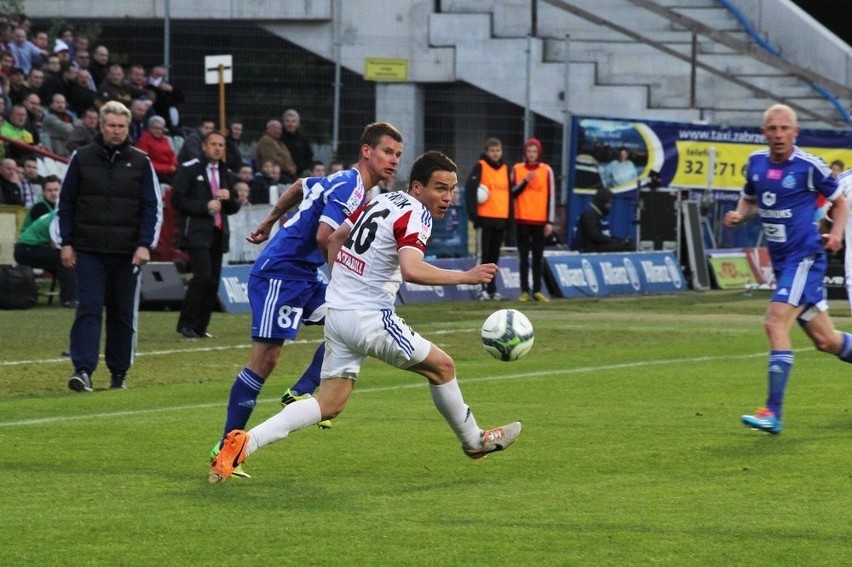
(415, 269)
(288, 199)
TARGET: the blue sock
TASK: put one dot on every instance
(243, 399)
(780, 363)
(845, 353)
(311, 378)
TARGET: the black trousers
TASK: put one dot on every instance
(490, 240)
(202, 295)
(108, 281)
(530, 240)
(47, 258)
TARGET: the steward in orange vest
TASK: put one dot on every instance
(489, 206)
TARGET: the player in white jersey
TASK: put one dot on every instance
(782, 183)
(381, 244)
(284, 289)
(845, 182)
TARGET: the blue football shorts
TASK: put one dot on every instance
(800, 282)
(280, 306)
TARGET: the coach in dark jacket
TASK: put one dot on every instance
(204, 195)
(110, 211)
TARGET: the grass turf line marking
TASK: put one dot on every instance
(537, 374)
(183, 350)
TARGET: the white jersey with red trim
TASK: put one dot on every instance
(366, 272)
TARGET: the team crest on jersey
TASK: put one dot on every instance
(423, 237)
(768, 198)
(789, 181)
(355, 200)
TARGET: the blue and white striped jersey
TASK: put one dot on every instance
(293, 253)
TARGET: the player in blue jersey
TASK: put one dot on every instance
(284, 287)
(782, 184)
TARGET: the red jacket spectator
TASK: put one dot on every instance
(154, 143)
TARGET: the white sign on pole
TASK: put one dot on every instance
(211, 69)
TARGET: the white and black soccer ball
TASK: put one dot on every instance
(482, 194)
(507, 334)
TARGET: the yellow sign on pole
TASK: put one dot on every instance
(385, 69)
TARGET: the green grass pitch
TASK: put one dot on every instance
(631, 454)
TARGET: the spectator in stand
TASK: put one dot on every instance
(153, 141)
(263, 180)
(52, 83)
(318, 169)
(192, 144)
(167, 97)
(35, 116)
(137, 78)
(534, 194)
(14, 128)
(233, 156)
(204, 195)
(66, 35)
(114, 87)
(18, 87)
(5, 34)
(138, 113)
(82, 60)
(298, 145)
(7, 63)
(58, 124)
(99, 65)
(79, 45)
(35, 248)
(82, 94)
(270, 147)
(245, 173)
(242, 192)
(42, 42)
(27, 55)
(30, 180)
(35, 81)
(335, 166)
(10, 183)
(84, 132)
(62, 52)
(46, 203)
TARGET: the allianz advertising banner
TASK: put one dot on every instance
(599, 275)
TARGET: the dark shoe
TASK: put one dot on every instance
(203, 335)
(71, 304)
(188, 333)
(65, 353)
(118, 382)
(80, 382)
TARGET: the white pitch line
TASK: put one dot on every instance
(197, 349)
(537, 374)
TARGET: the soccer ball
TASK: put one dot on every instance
(481, 194)
(507, 334)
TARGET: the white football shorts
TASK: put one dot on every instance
(352, 336)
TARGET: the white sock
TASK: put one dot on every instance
(294, 416)
(448, 399)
